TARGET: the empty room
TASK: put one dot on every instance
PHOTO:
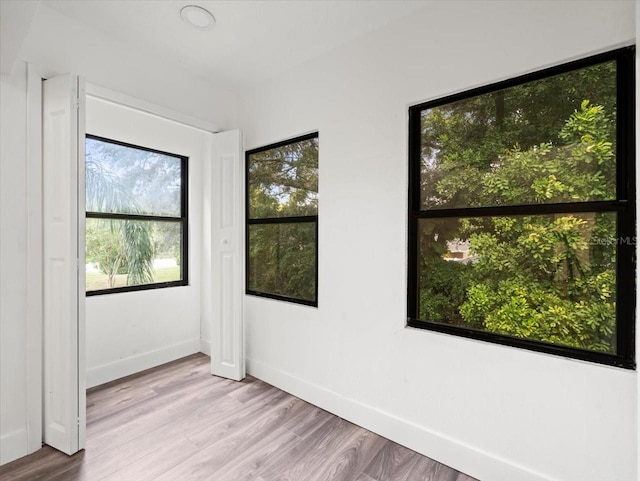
(305, 240)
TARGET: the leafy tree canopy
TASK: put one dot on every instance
(542, 277)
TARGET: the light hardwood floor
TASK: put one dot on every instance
(176, 422)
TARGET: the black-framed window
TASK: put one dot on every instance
(136, 221)
(522, 211)
(282, 220)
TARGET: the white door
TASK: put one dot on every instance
(63, 217)
(227, 256)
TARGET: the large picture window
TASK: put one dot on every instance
(282, 220)
(522, 211)
(136, 228)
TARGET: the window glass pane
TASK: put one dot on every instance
(546, 141)
(549, 278)
(283, 181)
(282, 259)
(131, 252)
(127, 180)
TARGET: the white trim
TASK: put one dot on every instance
(109, 95)
(34, 259)
(205, 347)
(13, 446)
(131, 365)
(81, 261)
(452, 452)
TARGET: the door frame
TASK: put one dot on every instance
(35, 259)
(35, 243)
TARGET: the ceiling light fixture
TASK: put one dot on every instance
(197, 17)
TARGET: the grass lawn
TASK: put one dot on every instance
(98, 280)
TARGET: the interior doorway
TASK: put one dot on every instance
(207, 312)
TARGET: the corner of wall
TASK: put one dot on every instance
(205, 347)
(13, 446)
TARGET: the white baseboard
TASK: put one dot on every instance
(205, 347)
(130, 365)
(452, 452)
(13, 445)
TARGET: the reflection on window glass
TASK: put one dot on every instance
(127, 180)
(547, 141)
(283, 258)
(544, 277)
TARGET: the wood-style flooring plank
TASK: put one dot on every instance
(111, 397)
(104, 463)
(159, 462)
(364, 477)
(301, 459)
(222, 449)
(429, 470)
(393, 463)
(267, 451)
(464, 477)
(172, 408)
(176, 422)
(37, 466)
(352, 459)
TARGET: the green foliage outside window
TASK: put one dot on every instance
(282, 202)
(546, 277)
(129, 181)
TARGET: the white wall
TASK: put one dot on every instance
(13, 258)
(58, 44)
(129, 332)
(495, 412)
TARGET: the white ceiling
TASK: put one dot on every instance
(251, 42)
